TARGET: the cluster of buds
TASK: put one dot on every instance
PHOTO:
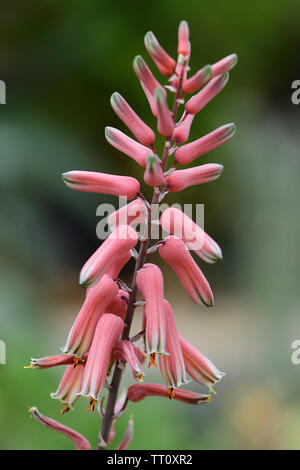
(99, 344)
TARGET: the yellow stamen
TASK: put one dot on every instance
(140, 376)
(76, 361)
(92, 404)
(152, 361)
(28, 367)
(171, 393)
(65, 409)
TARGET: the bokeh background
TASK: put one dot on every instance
(61, 60)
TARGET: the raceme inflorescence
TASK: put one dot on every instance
(100, 343)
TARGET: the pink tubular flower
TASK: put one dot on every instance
(162, 60)
(133, 213)
(204, 96)
(175, 253)
(199, 367)
(117, 265)
(154, 175)
(198, 80)
(150, 282)
(118, 305)
(165, 124)
(145, 75)
(182, 129)
(189, 152)
(138, 392)
(224, 65)
(94, 182)
(83, 329)
(183, 38)
(120, 241)
(130, 353)
(141, 131)
(181, 179)
(172, 365)
(177, 223)
(128, 435)
(53, 361)
(127, 145)
(69, 386)
(108, 331)
(81, 443)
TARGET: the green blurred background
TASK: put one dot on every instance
(61, 60)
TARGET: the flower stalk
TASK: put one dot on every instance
(100, 343)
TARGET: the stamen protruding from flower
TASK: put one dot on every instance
(91, 405)
(152, 360)
(171, 393)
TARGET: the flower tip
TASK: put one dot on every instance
(138, 62)
(233, 60)
(85, 281)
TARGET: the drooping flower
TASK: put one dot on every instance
(108, 332)
(119, 242)
(181, 179)
(162, 60)
(224, 65)
(206, 94)
(138, 392)
(113, 269)
(182, 130)
(172, 365)
(131, 354)
(54, 361)
(118, 305)
(176, 254)
(142, 132)
(177, 223)
(83, 329)
(94, 182)
(69, 386)
(150, 282)
(154, 175)
(188, 152)
(127, 145)
(198, 80)
(81, 443)
(198, 366)
(165, 123)
(133, 213)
